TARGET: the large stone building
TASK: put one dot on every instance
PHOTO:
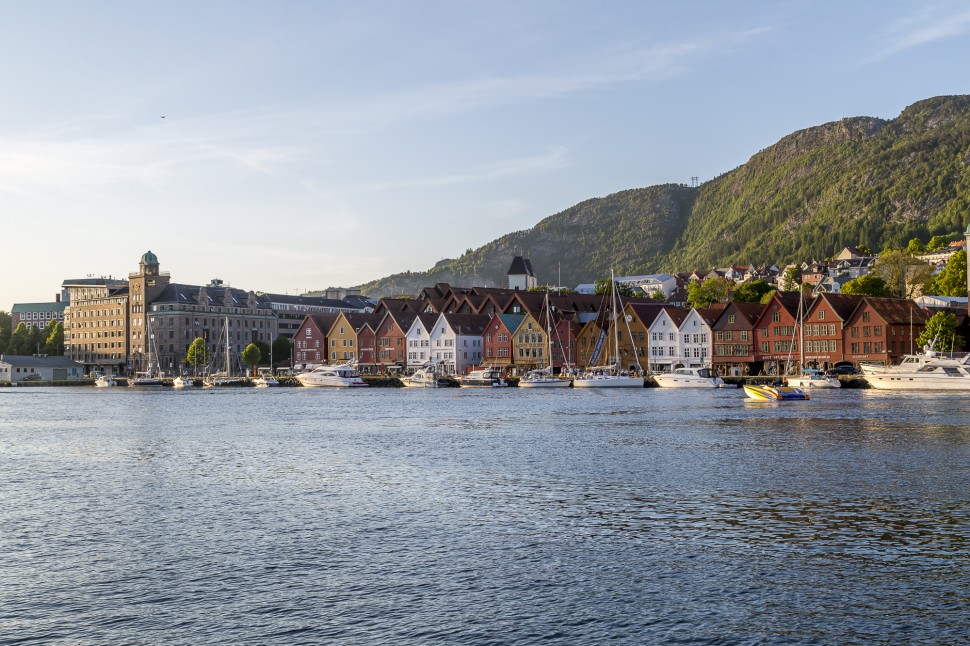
(117, 326)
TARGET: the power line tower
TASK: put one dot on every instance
(693, 181)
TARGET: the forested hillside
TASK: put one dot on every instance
(858, 180)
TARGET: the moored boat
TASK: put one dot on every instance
(775, 393)
(688, 378)
(928, 370)
(814, 379)
(483, 378)
(105, 381)
(342, 376)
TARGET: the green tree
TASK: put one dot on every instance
(952, 281)
(716, 289)
(864, 249)
(6, 321)
(940, 333)
(790, 279)
(767, 297)
(25, 340)
(281, 349)
(605, 285)
(936, 243)
(867, 285)
(904, 275)
(658, 296)
(198, 354)
(264, 351)
(752, 292)
(54, 333)
(251, 355)
(914, 247)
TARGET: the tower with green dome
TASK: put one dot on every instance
(144, 286)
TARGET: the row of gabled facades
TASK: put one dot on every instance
(460, 328)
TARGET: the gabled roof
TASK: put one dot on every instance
(358, 320)
(322, 322)
(897, 311)
(511, 321)
(842, 304)
(648, 312)
(676, 314)
(467, 324)
(710, 314)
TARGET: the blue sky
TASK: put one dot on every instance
(315, 144)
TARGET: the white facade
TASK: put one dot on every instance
(696, 340)
(419, 345)
(443, 338)
(664, 343)
(455, 350)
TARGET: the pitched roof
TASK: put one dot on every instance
(511, 321)
(520, 266)
(28, 360)
(469, 324)
(842, 304)
(897, 311)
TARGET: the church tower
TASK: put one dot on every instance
(521, 275)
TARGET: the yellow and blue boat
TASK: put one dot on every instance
(775, 393)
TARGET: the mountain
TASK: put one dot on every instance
(855, 181)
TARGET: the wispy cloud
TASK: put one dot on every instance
(928, 24)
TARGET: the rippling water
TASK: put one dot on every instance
(482, 517)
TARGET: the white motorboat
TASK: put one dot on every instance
(105, 381)
(927, 370)
(266, 381)
(813, 379)
(342, 376)
(688, 378)
(424, 377)
(182, 382)
(483, 378)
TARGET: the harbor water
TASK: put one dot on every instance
(482, 516)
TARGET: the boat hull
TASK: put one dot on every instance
(608, 382)
(675, 381)
(910, 382)
(810, 382)
(775, 393)
(545, 383)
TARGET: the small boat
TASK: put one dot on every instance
(814, 379)
(266, 381)
(688, 378)
(342, 376)
(183, 382)
(543, 379)
(105, 381)
(775, 393)
(483, 378)
(424, 377)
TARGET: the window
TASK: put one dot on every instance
(821, 315)
(775, 316)
(865, 317)
(730, 318)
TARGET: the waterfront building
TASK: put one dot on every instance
(734, 339)
(37, 315)
(666, 351)
(776, 343)
(391, 334)
(456, 342)
(529, 344)
(343, 336)
(17, 368)
(883, 330)
(696, 333)
(96, 323)
(310, 341)
(367, 346)
(564, 333)
(591, 340)
(291, 310)
(497, 341)
(824, 328)
(419, 340)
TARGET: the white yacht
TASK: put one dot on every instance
(688, 378)
(342, 376)
(928, 370)
(424, 377)
(266, 381)
(483, 378)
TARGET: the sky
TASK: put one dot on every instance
(292, 146)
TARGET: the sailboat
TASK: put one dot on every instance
(150, 377)
(611, 376)
(543, 378)
(227, 379)
(808, 378)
